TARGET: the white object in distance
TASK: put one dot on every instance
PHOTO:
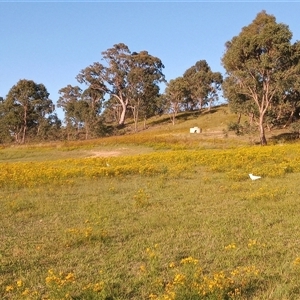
(253, 177)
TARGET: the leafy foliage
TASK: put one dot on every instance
(260, 64)
(82, 110)
(176, 92)
(203, 84)
(130, 79)
(27, 110)
(198, 86)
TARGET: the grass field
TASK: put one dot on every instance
(160, 214)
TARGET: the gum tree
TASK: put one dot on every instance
(25, 108)
(82, 109)
(204, 84)
(143, 79)
(117, 77)
(176, 92)
(69, 98)
(260, 63)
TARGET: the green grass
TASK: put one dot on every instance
(129, 236)
(59, 151)
(100, 230)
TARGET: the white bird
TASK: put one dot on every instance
(253, 177)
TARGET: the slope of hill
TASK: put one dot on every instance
(158, 134)
(213, 124)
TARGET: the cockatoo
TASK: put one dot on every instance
(253, 177)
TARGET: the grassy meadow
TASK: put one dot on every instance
(160, 214)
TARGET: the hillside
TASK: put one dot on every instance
(214, 129)
(159, 134)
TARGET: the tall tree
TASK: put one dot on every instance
(92, 76)
(260, 62)
(25, 107)
(289, 98)
(69, 97)
(239, 103)
(82, 109)
(176, 92)
(204, 84)
(5, 135)
(143, 78)
(113, 78)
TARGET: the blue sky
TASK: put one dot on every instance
(50, 42)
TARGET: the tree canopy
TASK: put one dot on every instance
(204, 84)
(261, 65)
(82, 109)
(26, 109)
(198, 86)
(126, 77)
(175, 94)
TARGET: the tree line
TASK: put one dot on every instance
(262, 81)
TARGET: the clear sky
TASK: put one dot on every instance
(50, 42)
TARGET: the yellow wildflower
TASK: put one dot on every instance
(230, 246)
(19, 283)
(26, 292)
(297, 261)
(9, 288)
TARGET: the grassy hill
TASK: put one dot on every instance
(159, 133)
(157, 214)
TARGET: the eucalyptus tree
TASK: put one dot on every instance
(239, 103)
(4, 130)
(92, 77)
(143, 79)
(75, 109)
(204, 84)
(289, 97)
(25, 109)
(69, 97)
(82, 109)
(93, 99)
(261, 65)
(116, 78)
(175, 94)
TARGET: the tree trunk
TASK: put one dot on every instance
(239, 118)
(17, 137)
(24, 134)
(135, 112)
(290, 120)
(251, 118)
(172, 117)
(25, 125)
(210, 104)
(86, 131)
(122, 116)
(123, 113)
(200, 103)
(263, 140)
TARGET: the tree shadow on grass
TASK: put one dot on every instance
(285, 137)
(184, 116)
(195, 114)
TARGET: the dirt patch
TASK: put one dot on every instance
(107, 153)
